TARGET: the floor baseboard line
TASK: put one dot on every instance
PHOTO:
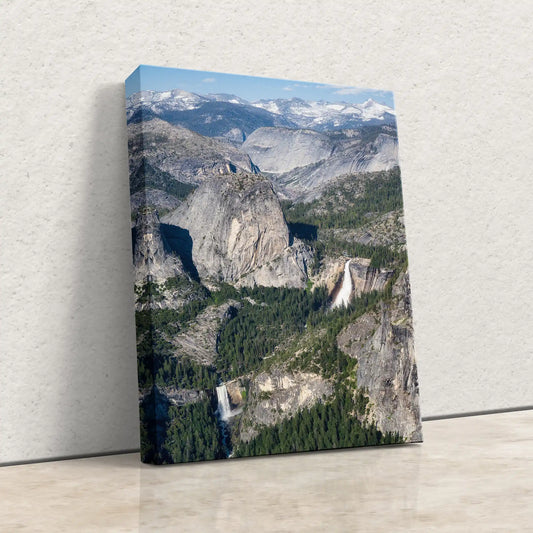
(137, 450)
(477, 413)
(68, 457)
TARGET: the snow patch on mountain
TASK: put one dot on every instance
(318, 115)
(311, 114)
(159, 102)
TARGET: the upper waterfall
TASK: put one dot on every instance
(343, 296)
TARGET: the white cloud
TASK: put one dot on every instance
(330, 86)
(349, 90)
(208, 80)
(375, 95)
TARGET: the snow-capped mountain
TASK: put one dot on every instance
(215, 115)
(301, 145)
(157, 103)
(323, 116)
(175, 100)
(190, 109)
(230, 98)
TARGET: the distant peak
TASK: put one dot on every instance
(226, 97)
(179, 93)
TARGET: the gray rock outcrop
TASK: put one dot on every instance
(348, 156)
(239, 234)
(280, 150)
(287, 270)
(152, 258)
(199, 341)
(153, 197)
(172, 395)
(366, 278)
(280, 394)
(183, 154)
(382, 342)
(180, 397)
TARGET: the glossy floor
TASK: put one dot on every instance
(470, 474)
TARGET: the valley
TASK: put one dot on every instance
(273, 306)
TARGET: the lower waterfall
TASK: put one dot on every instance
(224, 408)
(343, 296)
(225, 412)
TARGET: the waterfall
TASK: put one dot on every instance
(224, 413)
(224, 409)
(343, 296)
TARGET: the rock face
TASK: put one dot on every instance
(152, 258)
(366, 278)
(153, 197)
(199, 341)
(382, 342)
(349, 154)
(185, 155)
(330, 274)
(280, 150)
(280, 394)
(181, 396)
(239, 233)
(287, 270)
(162, 397)
(236, 393)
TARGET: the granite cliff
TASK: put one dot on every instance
(367, 278)
(199, 340)
(278, 150)
(152, 257)
(181, 154)
(303, 163)
(279, 394)
(239, 234)
(382, 343)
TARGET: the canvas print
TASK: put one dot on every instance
(272, 294)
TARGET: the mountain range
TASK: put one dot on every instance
(301, 146)
(219, 114)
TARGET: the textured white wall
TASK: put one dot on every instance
(462, 76)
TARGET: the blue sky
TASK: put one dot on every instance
(248, 87)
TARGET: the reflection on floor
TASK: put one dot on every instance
(470, 474)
